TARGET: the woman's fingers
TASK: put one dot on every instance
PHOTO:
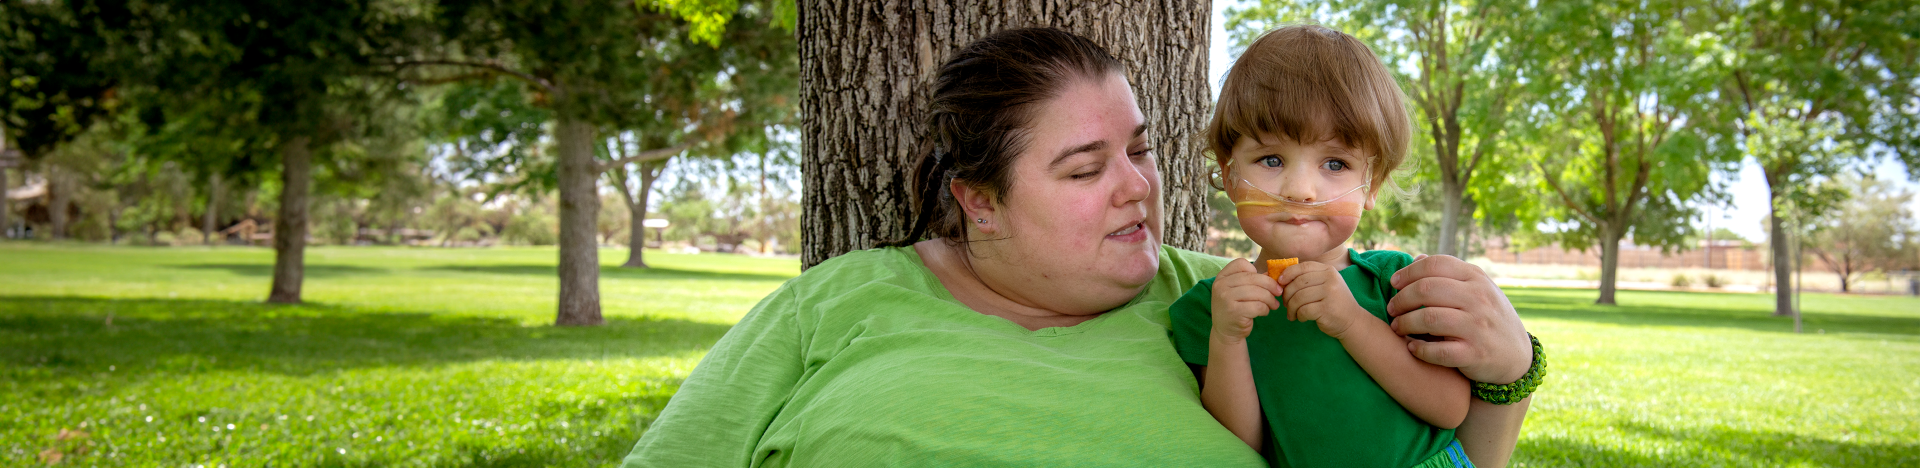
(1439, 321)
(1436, 292)
(1437, 266)
(1449, 353)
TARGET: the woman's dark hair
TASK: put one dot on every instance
(983, 104)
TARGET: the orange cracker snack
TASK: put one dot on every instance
(1276, 267)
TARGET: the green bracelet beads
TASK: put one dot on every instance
(1508, 394)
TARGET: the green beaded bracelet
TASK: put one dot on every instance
(1520, 389)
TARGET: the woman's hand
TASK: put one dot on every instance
(1241, 293)
(1455, 300)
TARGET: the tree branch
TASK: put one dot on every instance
(1554, 183)
(486, 65)
(648, 155)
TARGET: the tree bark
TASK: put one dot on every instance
(637, 206)
(579, 212)
(6, 230)
(59, 196)
(864, 73)
(1451, 196)
(290, 228)
(210, 217)
(1609, 262)
(1782, 263)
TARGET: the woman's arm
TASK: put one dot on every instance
(720, 412)
(1491, 431)
(1482, 337)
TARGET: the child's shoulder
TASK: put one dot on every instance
(1381, 263)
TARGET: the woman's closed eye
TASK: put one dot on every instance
(1086, 172)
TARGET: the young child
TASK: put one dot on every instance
(1302, 365)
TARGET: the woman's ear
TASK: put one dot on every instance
(975, 204)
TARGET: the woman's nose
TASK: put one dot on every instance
(1136, 182)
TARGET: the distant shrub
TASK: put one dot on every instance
(1681, 281)
(1587, 275)
(1714, 281)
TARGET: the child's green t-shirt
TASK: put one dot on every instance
(1321, 408)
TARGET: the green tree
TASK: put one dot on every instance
(302, 65)
(1627, 129)
(586, 74)
(1809, 76)
(1872, 231)
(53, 85)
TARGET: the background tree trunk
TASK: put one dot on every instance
(864, 72)
(1610, 261)
(290, 228)
(1782, 263)
(637, 206)
(210, 218)
(579, 212)
(1452, 193)
(6, 229)
(59, 196)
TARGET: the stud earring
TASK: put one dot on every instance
(980, 220)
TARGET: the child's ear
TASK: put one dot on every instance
(975, 204)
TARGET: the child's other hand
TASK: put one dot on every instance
(1241, 293)
(1315, 291)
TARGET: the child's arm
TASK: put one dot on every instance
(1226, 389)
(1438, 395)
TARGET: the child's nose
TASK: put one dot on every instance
(1296, 187)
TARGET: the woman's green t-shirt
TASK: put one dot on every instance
(866, 360)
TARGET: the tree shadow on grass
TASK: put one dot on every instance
(1718, 446)
(173, 336)
(310, 270)
(609, 271)
(1580, 307)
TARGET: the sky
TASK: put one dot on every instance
(1748, 188)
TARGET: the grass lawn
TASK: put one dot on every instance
(442, 357)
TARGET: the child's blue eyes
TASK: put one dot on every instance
(1274, 161)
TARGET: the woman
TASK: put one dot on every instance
(1031, 329)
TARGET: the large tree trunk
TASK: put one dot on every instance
(1609, 262)
(1782, 261)
(864, 71)
(290, 228)
(579, 212)
(210, 217)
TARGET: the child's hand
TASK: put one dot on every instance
(1241, 293)
(1315, 291)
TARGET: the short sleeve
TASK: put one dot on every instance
(722, 410)
(1192, 317)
